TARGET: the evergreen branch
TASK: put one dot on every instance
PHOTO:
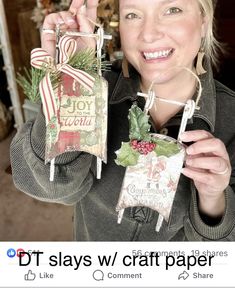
(86, 60)
(30, 83)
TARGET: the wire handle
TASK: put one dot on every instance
(189, 107)
(151, 92)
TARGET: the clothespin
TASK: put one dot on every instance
(189, 109)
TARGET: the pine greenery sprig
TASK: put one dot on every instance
(29, 82)
(84, 60)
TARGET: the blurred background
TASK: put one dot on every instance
(21, 217)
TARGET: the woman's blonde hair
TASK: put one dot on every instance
(210, 45)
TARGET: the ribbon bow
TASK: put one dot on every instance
(40, 58)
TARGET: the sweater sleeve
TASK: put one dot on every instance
(197, 230)
(74, 171)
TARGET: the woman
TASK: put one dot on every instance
(156, 35)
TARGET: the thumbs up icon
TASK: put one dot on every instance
(30, 276)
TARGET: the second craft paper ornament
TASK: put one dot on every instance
(76, 108)
(153, 162)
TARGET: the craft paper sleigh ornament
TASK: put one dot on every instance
(153, 161)
(76, 110)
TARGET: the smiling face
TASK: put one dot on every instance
(159, 34)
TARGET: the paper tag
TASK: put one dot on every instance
(80, 123)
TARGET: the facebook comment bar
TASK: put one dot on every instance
(117, 264)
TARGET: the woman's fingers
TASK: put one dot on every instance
(216, 165)
(48, 36)
(86, 14)
(207, 162)
(48, 32)
(85, 26)
(69, 21)
(77, 18)
(91, 8)
(206, 153)
(204, 143)
(212, 146)
(196, 135)
(210, 181)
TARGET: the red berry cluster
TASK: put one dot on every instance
(143, 147)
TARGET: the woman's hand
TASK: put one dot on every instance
(208, 165)
(76, 19)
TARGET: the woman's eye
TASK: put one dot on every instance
(132, 16)
(173, 10)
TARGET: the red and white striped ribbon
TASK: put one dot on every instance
(40, 59)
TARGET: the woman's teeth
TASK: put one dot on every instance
(157, 54)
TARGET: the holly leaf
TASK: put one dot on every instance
(126, 156)
(165, 148)
(138, 123)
